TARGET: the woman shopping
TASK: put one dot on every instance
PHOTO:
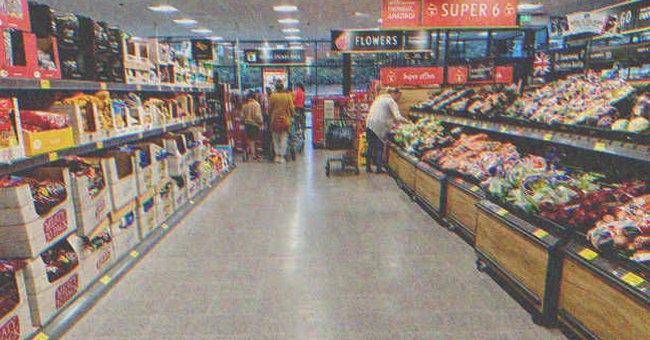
(253, 122)
(281, 112)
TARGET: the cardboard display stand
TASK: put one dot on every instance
(17, 323)
(164, 201)
(95, 262)
(124, 225)
(122, 183)
(147, 213)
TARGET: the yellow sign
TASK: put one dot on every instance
(632, 279)
(599, 147)
(105, 280)
(52, 156)
(548, 137)
(100, 145)
(588, 254)
(502, 212)
(134, 254)
(45, 84)
(103, 86)
(540, 233)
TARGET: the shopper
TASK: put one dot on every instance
(299, 103)
(384, 112)
(253, 122)
(281, 112)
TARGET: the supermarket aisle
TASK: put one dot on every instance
(279, 251)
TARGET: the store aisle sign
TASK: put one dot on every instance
(380, 41)
(469, 13)
(400, 13)
(275, 56)
(412, 76)
(479, 74)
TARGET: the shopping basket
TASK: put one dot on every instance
(342, 135)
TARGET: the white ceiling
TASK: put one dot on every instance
(254, 19)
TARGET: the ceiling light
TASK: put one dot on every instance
(529, 7)
(288, 21)
(216, 38)
(202, 30)
(285, 8)
(292, 37)
(359, 14)
(163, 9)
(186, 21)
(296, 47)
(290, 30)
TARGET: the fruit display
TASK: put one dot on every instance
(426, 134)
(46, 194)
(486, 101)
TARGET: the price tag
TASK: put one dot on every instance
(540, 234)
(165, 226)
(103, 86)
(548, 137)
(100, 145)
(458, 180)
(105, 280)
(502, 212)
(588, 254)
(45, 84)
(599, 147)
(503, 129)
(140, 135)
(164, 129)
(520, 132)
(41, 336)
(632, 279)
(134, 254)
(138, 87)
(474, 189)
(192, 202)
(52, 156)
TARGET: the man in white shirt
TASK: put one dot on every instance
(383, 113)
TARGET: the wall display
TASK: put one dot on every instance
(586, 23)
(380, 41)
(412, 76)
(401, 13)
(542, 64)
(619, 18)
(558, 28)
(469, 13)
(275, 56)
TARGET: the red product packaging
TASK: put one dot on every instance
(44, 120)
(15, 14)
(18, 58)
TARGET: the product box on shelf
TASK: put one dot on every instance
(122, 182)
(177, 162)
(195, 183)
(164, 201)
(11, 136)
(124, 225)
(15, 14)
(96, 251)
(146, 168)
(127, 120)
(180, 190)
(194, 138)
(25, 231)
(42, 19)
(18, 58)
(147, 213)
(53, 279)
(158, 156)
(139, 69)
(41, 142)
(83, 118)
(48, 64)
(15, 321)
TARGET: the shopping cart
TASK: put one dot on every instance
(342, 135)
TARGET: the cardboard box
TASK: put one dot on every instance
(124, 225)
(122, 183)
(177, 162)
(195, 183)
(84, 121)
(23, 232)
(16, 323)
(15, 15)
(50, 68)
(146, 174)
(11, 138)
(159, 160)
(22, 64)
(50, 292)
(91, 210)
(41, 142)
(180, 191)
(147, 213)
(95, 260)
(164, 201)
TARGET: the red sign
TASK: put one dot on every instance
(67, 291)
(11, 329)
(55, 225)
(469, 13)
(457, 75)
(503, 74)
(401, 13)
(412, 76)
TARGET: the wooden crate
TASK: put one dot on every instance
(430, 187)
(462, 212)
(23, 232)
(392, 159)
(90, 210)
(406, 170)
(47, 298)
(95, 262)
(124, 225)
(164, 201)
(147, 213)
(524, 256)
(17, 323)
(122, 181)
(595, 302)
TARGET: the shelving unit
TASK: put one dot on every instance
(76, 85)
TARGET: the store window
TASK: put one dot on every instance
(467, 46)
(508, 44)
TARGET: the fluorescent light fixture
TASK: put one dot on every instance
(359, 14)
(285, 8)
(292, 37)
(288, 21)
(529, 7)
(290, 30)
(202, 30)
(186, 21)
(137, 39)
(163, 9)
(216, 38)
(296, 47)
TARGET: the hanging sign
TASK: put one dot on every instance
(480, 73)
(380, 41)
(586, 23)
(202, 49)
(469, 13)
(542, 64)
(400, 13)
(569, 61)
(412, 76)
(275, 56)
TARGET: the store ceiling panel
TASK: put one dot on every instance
(255, 19)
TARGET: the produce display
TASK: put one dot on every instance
(486, 101)
(422, 136)
(59, 260)
(80, 167)
(46, 194)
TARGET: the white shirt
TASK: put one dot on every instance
(383, 112)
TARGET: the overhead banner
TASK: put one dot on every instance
(469, 13)
(401, 13)
(586, 23)
(619, 18)
(412, 76)
(202, 49)
(380, 41)
(275, 56)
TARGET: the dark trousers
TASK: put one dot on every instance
(374, 154)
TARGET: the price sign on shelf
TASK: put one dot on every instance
(548, 137)
(588, 254)
(632, 279)
(45, 84)
(599, 147)
(540, 233)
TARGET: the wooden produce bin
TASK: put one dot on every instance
(523, 256)
(431, 188)
(164, 201)
(87, 127)
(15, 323)
(91, 208)
(602, 298)
(95, 260)
(37, 143)
(406, 166)
(122, 182)
(391, 159)
(49, 292)
(147, 213)
(124, 225)
(23, 232)
(461, 210)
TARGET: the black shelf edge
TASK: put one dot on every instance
(44, 159)
(634, 151)
(84, 302)
(81, 85)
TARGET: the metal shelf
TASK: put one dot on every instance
(40, 160)
(618, 148)
(76, 85)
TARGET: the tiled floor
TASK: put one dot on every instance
(282, 252)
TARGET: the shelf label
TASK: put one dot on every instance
(165, 226)
(540, 234)
(503, 129)
(520, 131)
(41, 336)
(140, 135)
(134, 254)
(52, 156)
(632, 279)
(138, 87)
(100, 145)
(45, 84)
(502, 212)
(103, 86)
(474, 189)
(599, 146)
(548, 137)
(106, 280)
(192, 202)
(588, 254)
